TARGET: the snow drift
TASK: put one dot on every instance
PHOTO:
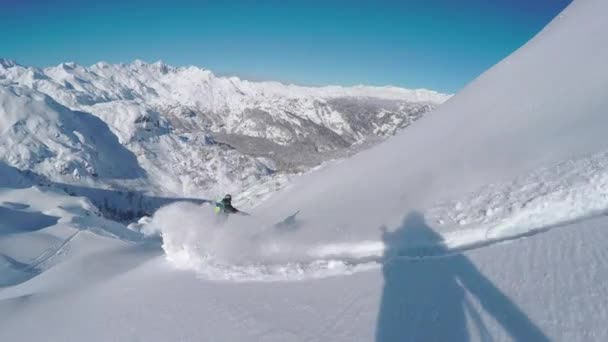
(242, 248)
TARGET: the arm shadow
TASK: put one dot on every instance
(427, 291)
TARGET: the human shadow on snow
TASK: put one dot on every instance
(428, 294)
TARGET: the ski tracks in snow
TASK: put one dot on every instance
(337, 259)
(51, 252)
(452, 244)
(549, 198)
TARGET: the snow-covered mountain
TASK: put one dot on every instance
(184, 131)
(485, 221)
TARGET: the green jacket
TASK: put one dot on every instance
(225, 207)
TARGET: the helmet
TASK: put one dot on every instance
(228, 198)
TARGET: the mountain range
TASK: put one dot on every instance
(182, 131)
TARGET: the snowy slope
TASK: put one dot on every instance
(39, 134)
(546, 288)
(483, 222)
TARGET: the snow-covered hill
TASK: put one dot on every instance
(186, 132)
(483, 222)
(42, 136)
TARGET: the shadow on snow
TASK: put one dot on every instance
(18, 221)
(430, 299)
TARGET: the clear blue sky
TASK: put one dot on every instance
(436, 44)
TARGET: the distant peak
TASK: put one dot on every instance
(69, 65)
(102, 64)
(139, 63)
(8, 63)
(161, 66)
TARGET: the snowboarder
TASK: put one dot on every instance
(224, 206)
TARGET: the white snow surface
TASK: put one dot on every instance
(483, 222)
